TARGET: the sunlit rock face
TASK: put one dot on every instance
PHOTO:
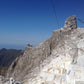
(66, 63)
(58, 60)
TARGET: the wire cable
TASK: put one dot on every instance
(81, 20)
(53, 5)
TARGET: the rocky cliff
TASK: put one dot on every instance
(58, 60)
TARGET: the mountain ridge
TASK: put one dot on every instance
(58, 60)
(34, 56)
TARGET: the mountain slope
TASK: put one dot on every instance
(55, 61)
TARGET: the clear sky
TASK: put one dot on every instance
(32, 21)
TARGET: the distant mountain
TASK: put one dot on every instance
(7, 56)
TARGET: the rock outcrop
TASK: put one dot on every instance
(58, 60)
(71, 22)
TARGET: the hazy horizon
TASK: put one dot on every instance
(22, 47)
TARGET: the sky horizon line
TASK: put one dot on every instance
(33, 21)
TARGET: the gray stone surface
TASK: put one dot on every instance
(79, 82)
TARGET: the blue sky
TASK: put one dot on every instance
(33, 21)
